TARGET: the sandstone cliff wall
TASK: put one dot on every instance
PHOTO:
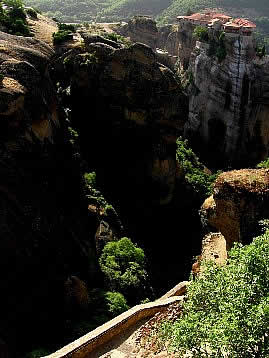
(239, 201)
(45, 227)
(228, 103)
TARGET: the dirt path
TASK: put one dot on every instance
(121, 347)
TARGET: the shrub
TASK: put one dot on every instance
(123, 265)
(13, 17)
(32, 13)
(61, 36)
(264, 164)
(201, 33)
(117, 38)
(116, 303)
(194, 171)
(37, 353)
(261, 51)
(90, 179)
(66, 27)
(217, 47)
(227, 309)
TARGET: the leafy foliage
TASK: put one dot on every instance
(37, 353)
(66, 27)
(63, 34)
(32, 13)
(261, 51)
(116, 303)
(165, 10)
(123, 265)
(201, 33)
(264, 164)
(117, 38)
(90, 179)
(227, 309)
(195, 175)
(217, 48)
(13, 17)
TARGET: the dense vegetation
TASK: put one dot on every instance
(227, 309)
(13, 18)
(123, 265)
(264, 164)
(165, 10)
(64, 33)
(196, 175)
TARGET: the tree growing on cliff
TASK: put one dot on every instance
(227, 309)
(201, 33)
(13, 17)
(264, 164)
(123, 265)
(195, 172)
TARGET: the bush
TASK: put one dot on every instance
(37, 353)
(217, 47)
(116, 303)
(61, 36)
(194, 171)
(117, 38)
(13, 17)
(123, 265)
(201, 33)
(90, 179)
(227, 309)
(261, 51)
(32, 13)
(264, 164)
(66, 27)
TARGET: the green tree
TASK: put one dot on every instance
(123, 265)
(201, 33)
(226, 313)
(116, 303)
(264, 164)
(195, 175)
(13, 17)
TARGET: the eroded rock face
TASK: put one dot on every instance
(229, 105)
(45, 228)
(214, 248)
(129, 109)
(141, 29)
(239, 201)
(137, 105)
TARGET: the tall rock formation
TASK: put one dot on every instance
(136, 105)
(45, 229)
(129, 110)
(141, 29)
(229, 100)
(239, 201)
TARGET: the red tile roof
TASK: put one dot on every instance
(209, 16)
(244, 23)
(221, 16)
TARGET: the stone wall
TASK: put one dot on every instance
(85, 345)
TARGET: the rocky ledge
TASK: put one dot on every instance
(239, 201)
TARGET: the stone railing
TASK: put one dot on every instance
(83, 346)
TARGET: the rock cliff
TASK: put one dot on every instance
(228, 97)
(129, 109)
(135, 102)
(239, 201)
(45, 226)
(228, 103)
(141, 29)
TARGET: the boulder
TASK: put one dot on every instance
(239, 201)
